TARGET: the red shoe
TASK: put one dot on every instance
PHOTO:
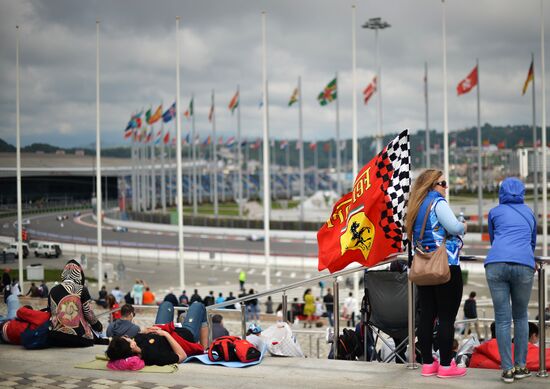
(451, 371)
(431, 369)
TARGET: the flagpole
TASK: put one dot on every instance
(170, 187)
(427, 142)
(267, 196)
(288, 192)
(354, 151)
(133, 161)
(544, 147)
(162, 171)
(98, 170)
(274, 180)
(194, 153)
(445, 113)
(535, 148)
(179, 181)
(18, 162)
(479, 161)
(355, 164)
(316, 161)
(153, 173)
(247, 153)
(338, 156)
(214, 155)
(301, 136)
(239, 160)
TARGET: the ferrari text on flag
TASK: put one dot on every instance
(366, 225)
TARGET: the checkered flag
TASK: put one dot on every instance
(394, 169)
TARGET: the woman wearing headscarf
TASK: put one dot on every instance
(71, 313)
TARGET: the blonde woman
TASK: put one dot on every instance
(439, 302)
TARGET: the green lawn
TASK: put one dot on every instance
(230, 209)
(50, 275)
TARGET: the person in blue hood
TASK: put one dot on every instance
(509, 269)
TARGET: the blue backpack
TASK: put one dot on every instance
(37, 338)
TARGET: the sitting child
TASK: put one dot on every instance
(124, 326)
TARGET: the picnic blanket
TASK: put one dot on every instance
(100, 363)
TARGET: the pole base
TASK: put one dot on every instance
(412, 366)
(542, 374)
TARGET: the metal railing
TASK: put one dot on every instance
(540, 264)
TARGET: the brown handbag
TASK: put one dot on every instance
(429, 268)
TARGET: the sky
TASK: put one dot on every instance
(221, 48)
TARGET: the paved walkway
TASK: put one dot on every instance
(55, 368)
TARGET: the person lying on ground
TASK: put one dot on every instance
(165, 343)
(26, 317)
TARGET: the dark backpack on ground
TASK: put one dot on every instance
(37, 338)
(349, 345)
(233, 348)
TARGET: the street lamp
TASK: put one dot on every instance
(377, 24)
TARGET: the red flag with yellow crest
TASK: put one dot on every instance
(366, 225)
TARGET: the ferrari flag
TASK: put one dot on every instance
(366, 225)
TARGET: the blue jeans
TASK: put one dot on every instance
(509, 281)
(194, 319)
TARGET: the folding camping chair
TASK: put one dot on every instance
(385, 309)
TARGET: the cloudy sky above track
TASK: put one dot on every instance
(221, 47)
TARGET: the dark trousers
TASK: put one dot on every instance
(441, 302)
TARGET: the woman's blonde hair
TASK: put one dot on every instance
(422, 185)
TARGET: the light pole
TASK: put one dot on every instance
(377, 24)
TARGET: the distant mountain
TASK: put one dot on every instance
(6, 147)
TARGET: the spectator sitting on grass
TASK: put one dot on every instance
(124, 326)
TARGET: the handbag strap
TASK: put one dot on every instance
(425, 220)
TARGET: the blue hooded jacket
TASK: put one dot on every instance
(512, 227)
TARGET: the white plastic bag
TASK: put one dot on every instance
(281, 342)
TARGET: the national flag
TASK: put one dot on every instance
(298, 145)
(468, 83)
(187, 139)
(294, 97)
(138, 122)
(148, 115)
(234, 103)
(207, 141)
(149, 136)
(256, 145)
(156, 116)
(530, 77)
(230, 141)
(369, 91)
(197, 139)
(313, 146)
(283, 144)
(486, 143)
(244, 143)
(189, 111)
(328, 94)
(128, 133)
(158, 137)
(169, 114)
(220, 140)
(366, 225)
(502, 144)
(166, 139)
(326, 147)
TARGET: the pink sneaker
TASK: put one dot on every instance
(451, 371)
(431, 369)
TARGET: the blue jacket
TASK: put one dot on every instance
(512, 227)
(441, 223)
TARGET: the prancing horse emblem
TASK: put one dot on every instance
(359, 234)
